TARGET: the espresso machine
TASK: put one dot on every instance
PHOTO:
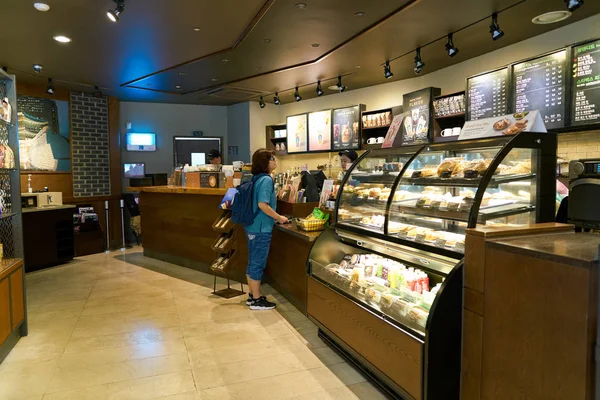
(584, 193)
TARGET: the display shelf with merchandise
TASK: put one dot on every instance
(395, 252)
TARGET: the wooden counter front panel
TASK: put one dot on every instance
(16, 294)
(471, 356)
(394, 353)
(536, 330)
(5, 328)
(180, 224)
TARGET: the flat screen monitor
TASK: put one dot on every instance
(141, 142)
(194, 150)
(134, 170)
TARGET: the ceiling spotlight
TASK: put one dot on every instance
(573, 5)
(62, 39)
(297, 95)
(50, 88)
(387, 70)
(419, 64)
(97, 91)
(495, 28)
(319, 90)
(276, 100)
(450, 48)
(38, 68)
(261, 103)
(301, 6)
(339, 84)
(41, 7)
(113, 15)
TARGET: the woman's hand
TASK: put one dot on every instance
(282, 220)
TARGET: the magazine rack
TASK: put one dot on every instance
(225, 247)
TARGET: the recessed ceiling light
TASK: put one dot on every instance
(358, 67)
(315, 45)
(257, 68)
(214, 79)
(360, 14)
(148, 84)
(266, 41)
(181, 74)
(225, 60)
(62, 39)
(551, 17)
(334, 88)
(301, 6)
(178, 87)
(41, 6)
(196, 29)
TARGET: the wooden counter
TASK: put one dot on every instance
(178, 190)
(12, 303)
(531, 315)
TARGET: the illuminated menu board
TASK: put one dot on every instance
(539, 84)
(586, 84)
(487, 95)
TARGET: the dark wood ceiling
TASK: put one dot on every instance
(154, 48)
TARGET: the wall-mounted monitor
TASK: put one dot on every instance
(193, 150)
(134, 170)
(297, 133)
(141, 142)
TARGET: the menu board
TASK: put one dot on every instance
(415, 128)
(586, 84)
(346, 128)
(297, 134)
(539, 84)
(319, 131)
(487, 95)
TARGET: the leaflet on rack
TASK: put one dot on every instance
(511, 124)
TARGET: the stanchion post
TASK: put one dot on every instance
(123, 224)
(107, 228)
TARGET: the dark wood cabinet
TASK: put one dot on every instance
(48, 238)
(12, 304)
(5, 328)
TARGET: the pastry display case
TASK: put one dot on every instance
(394, 256)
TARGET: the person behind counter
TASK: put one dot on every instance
(214, 157)
(347, 158)
(259, 233)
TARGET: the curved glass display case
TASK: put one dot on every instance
(397, 245)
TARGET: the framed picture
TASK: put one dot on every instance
(319, 131)
(297, 133)
(346, 128)
(44, 134)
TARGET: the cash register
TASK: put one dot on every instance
(584, 193)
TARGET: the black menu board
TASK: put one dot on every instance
(539, 84)
(346, 128)
(586, 84)
(487, 95)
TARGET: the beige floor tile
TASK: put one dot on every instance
(181, 396)
(122, 354)
(78, 377)
(278, 387)
(347, 373)
(45, 331)
(222, 339)
(250, 370)
(145, 336)
(35, 353)
(24, 380)
(113, 326)
(131, 307)
(328, 356)
(249, 351)
(366, 391)
(268, 321)
(137, 389)
(312, 340)
(340, 393)
(129, 299)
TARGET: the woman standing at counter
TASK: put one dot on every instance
(264, 201)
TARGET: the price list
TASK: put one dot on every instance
(487, 95)
(539, 84)
(586, 84)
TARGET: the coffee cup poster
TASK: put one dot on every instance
(346, 128)
(319, 131)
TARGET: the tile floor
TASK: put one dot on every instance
(116, 326)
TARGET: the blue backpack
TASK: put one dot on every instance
(242, 209)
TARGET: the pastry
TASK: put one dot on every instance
(447, 166)
(502, 124)
(513, 130)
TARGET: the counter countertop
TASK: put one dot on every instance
(8, 265)
(49, 208)
(177, 190)
(294, 231)
(577, 249)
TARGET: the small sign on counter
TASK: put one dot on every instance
(511, 124)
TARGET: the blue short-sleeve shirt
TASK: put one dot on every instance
(264, 192)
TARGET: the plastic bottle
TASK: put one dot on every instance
(425, 282)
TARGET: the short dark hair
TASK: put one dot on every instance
(214, 154)
(260, 161)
